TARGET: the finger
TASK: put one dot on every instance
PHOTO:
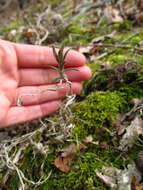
(40, 94)
(17, 115)
(39, 56)
(44, 76)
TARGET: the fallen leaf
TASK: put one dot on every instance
(102, 38)
(110, 181)
(134, 185)
(63, 162)
(112, 14)
(129, 9)
(119, 179)
(93, 58)
(139, 186)
(140, 5)
(131, 134)
(139, 17)
(139, 161)
(88, 50)
(89, 139)
(72, 149)
(84, 49)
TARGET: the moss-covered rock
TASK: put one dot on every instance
(126, 78)
(100, 108)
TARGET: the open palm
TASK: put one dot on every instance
(24, 70)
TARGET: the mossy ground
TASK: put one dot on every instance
(105, 97)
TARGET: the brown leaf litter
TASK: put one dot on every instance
(63, 162)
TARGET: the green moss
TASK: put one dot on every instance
(106, 95)
(128, 80)
(53, 2)
(76, 29)
(11, 26)
(13, 181)
(140, 59)
(117, 59)
(121, 26)
(82, 176)
(75, 34)
(98, 109)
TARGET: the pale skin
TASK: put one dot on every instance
(24, 70)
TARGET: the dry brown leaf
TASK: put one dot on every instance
(89, 51)
(129, 9)
(112, 14)
(139, 186)
(72, 149)
(120, 179)
(132, 133)
(92, 49)
(102, 38)
(140, 5)
(93, 58)
(89, 139)
(134, 185)
(139, 17)
(63, 162)
(85, 49)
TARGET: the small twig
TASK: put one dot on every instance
(119, 46)
(125, 46)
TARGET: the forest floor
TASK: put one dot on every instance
(95, 143)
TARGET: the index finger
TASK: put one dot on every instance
(40, 56)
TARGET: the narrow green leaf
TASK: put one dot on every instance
(61, 57)
(68, 69)
(56, 79)
(55, 54)
(66, 53)
(53, 67)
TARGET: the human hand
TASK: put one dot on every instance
(24, 70)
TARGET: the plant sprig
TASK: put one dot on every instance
(62, 79)
(60, 57)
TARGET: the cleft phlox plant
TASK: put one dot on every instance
(61, 80)
(15, 149)
(65, 113)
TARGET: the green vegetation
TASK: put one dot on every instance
(104, 98)
(14, 25)
(99, 109)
